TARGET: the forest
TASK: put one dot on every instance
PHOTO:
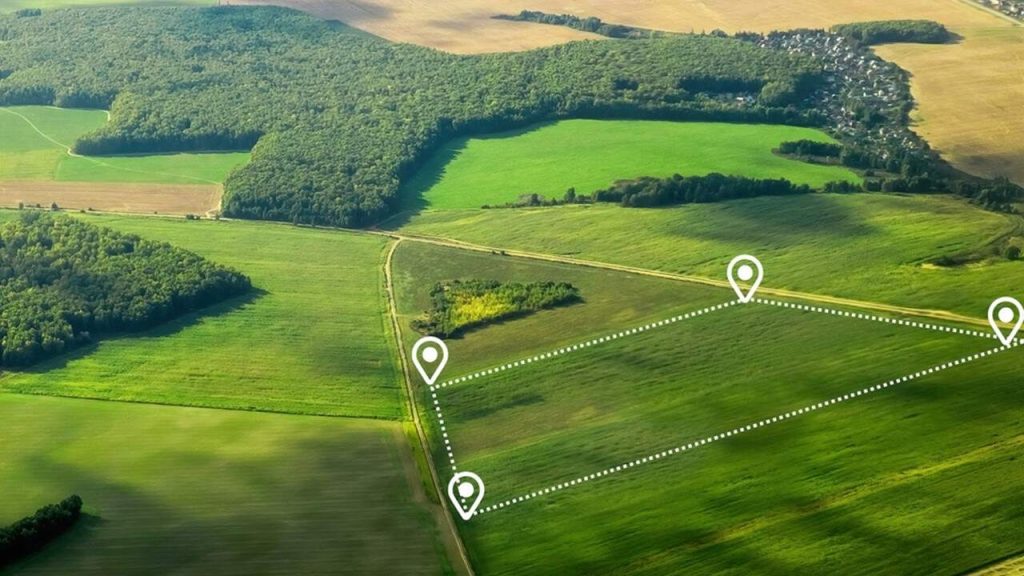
(63, 282)
(336, 117)
(30, 534)
(887, 31)
(460, 305)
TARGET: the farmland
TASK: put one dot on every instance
(960, 114)
(871, 247)
(38, 138)
(767, 499)
(196, 491)
(592, 154)
(312, 339)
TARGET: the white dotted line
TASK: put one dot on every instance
(587, 344)
(884, 319)
(444, 429)
(735, 431)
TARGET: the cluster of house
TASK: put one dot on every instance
(1014, 8)
(864, 98)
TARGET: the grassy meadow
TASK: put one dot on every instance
(592, 154)
(36, 140)
(313, 339)
(12, 5)
(864, 246)
(859, 488)
(174, 490)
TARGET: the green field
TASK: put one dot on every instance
(174, 490)
(12, 5)
(312, 340)
(865, 487)
(36, 140)
(864, 246)
(592, 154)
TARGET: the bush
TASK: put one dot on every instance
(458, 305)
(1012, 252)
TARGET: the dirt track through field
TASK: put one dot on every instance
(178, 199)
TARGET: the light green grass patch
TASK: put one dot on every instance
(592, 154)
(914, 479)
(175, 490)
(36, 140)
(314, 341)
(864, 246)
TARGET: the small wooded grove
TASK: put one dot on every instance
(886, 31)
(677, 189)
(64, 281)
(460, 305)
(339, 117)
(30, 534)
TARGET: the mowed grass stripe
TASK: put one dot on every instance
(314, 341)
(592, 154)
(196, 491)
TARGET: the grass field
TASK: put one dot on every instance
(174, 490)
(314, 341)
(37, 139)
(12, 5)
(966, 91)
(866, 246)
(592, 154)
(913, 480)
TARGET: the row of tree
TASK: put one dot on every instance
(30, 534)
(677, 189)
(63, 281)
(460, 305)
(337, 117)
(888, 31)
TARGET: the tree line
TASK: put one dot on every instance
(29, 535)
(336, 118)
(460, 305)
(888, 31)
(64, 281)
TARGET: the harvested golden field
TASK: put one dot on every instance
(128, 197)
(969, 94)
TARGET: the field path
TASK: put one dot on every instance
(944, 315)
(453, 543)
(71, 153)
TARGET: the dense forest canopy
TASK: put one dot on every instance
(337, 116)
(63, 280)
(461, 305)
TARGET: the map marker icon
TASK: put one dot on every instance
(747, 269)
(1006, 310)
(429, 355)
(466, 491)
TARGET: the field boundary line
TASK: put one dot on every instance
(943, 315)
(875, 318)
(581, 345)
(414, 409)
(71, 153)
(740, 429)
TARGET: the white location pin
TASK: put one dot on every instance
(429, 355)
(746, 269)
(1006, 310)
(466, 491)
